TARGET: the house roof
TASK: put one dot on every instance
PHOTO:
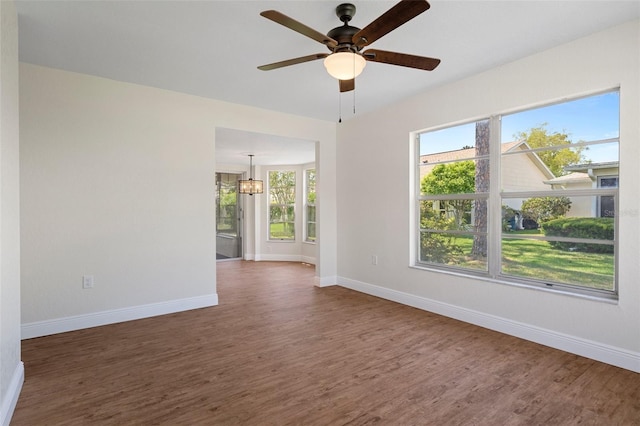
(571, 178)
(469, 153)
(593, 166)
(462, 154)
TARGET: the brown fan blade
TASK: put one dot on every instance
(293, 61)
(389, 21)
(301, 28)
(402, 59)
(347, 85)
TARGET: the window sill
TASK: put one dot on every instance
(611, 299)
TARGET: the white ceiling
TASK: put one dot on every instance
(212, 48)
(234, 146)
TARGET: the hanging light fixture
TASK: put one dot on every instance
(250, 186)
(344, 65)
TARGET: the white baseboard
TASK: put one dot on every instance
(280, 257)
(10, 399)
(325, 281)
(583, 347)
(95, 319)
(308, 259)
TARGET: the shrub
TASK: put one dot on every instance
(601, 228)
(437, 247)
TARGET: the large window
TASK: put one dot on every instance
(282, 200)
(310, 205)
(529, 197)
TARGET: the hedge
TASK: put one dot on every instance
(601, 228)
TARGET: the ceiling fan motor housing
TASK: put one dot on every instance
(344, 34)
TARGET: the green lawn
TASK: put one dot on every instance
(281, 230)
(537, 259)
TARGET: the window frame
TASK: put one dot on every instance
(223, 188)
(306, 204)
(496, 198)
(292, 205)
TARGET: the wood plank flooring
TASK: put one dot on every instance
(279, 351)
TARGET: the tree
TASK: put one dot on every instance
(542, 209)
(282, 186)
(454, 178)
(226, 207)
(479, 249)
(228, 197)
(558, 159)
(282, 198)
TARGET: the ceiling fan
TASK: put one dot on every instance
(346, 61)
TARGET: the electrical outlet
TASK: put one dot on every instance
(87, 281)
(374, 259)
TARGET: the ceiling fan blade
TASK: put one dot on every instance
(301, 28)
(402, 59)
(389, 21)
(293, 61)
(347, 85)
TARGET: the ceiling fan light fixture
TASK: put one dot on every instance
(344, 65)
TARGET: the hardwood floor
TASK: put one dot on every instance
(278, 351)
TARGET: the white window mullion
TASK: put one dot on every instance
(414, 214)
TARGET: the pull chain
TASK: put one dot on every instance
(354, 84)
(354, 96)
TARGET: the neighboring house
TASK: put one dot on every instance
(520, 172)
(586, 176)
(527, 172)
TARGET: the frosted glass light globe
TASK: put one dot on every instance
(344, 65)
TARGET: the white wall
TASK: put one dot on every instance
(118, 182)
(377, 221)
(11, 368)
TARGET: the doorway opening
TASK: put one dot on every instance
(228, 217)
